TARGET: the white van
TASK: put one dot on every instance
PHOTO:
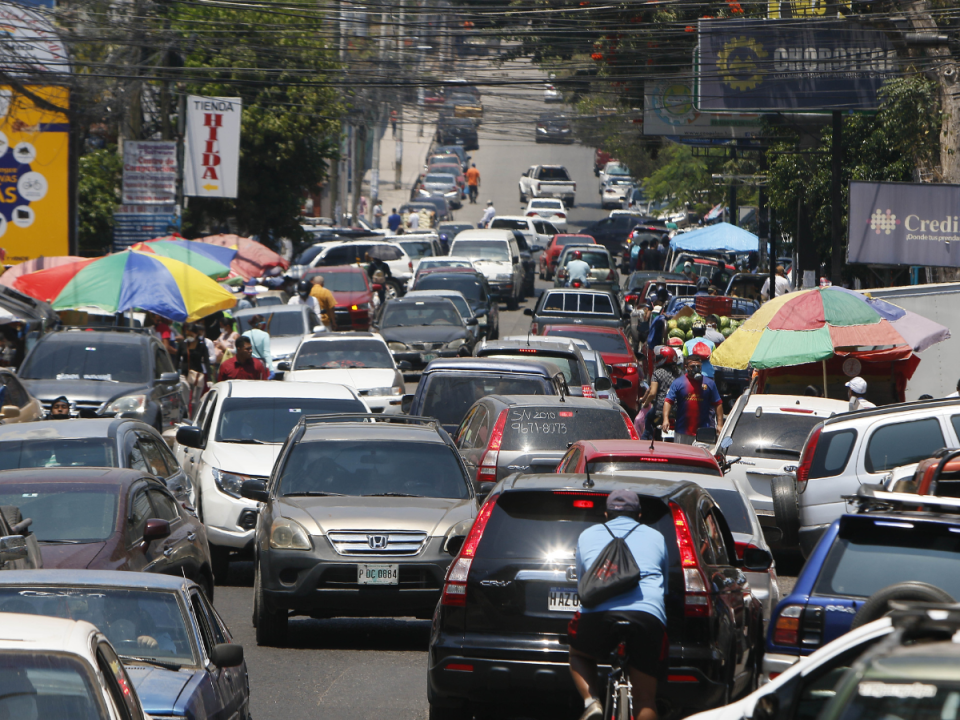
(495, 253)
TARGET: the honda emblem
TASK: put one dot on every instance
(377, 542)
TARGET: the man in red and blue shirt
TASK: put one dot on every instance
(697, 400)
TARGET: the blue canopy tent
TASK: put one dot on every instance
(722, 237)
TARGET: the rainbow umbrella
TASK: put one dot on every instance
(212, 260)
(129, 280)
(807, 326)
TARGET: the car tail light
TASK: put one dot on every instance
(630, 427)
(455, 583)
(743, 547)
(627, 368)
(806, 459)
(410, 265)
(534, 329)
(696, 598)
(587, 391)
(631, 299)
(608, 191)
(574, 187)
(560, 215)
(786, 631)
(531, 214)
(487, 472)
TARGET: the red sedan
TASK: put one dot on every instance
(633, 455)
(616, 352)
(551, 254)
(353, 292)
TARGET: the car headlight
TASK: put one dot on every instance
(454, 344)
(287, 534)
(397, 346)
(126, 404)
(227, 482)
(481, 319)
(503, 277)
(542, 130)
(383, 391)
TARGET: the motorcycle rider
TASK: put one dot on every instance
(578, 269)
(303, 297)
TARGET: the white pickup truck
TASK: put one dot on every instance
(548, 181)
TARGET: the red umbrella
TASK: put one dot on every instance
(253, 259)
(40, 263)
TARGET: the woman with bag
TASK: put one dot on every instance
(621, 556)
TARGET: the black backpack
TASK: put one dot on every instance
(614, 572)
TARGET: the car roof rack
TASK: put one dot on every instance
(872, 498)
(376, 417)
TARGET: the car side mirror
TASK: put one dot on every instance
(169, 377)
(13, 547)
(528, 311)
(536, 248)
(226, 655)
(480, 312)
(255, 490)
(404, 365)
(190, 436)
(483, 489)
(602, 384)
(283, 365)
(8, 412)
(707, 436)
(473, 321)
(757, 559)
(454, 544)
(319, 329)
(156, 529)
(406, 402)
(621, 383)
(767, 708)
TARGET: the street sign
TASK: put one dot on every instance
(30, 44)
(149, 172)
(140, 223)
(792, 65)
(211, 156)
(669, 108)
(895, 223)
(34, 158)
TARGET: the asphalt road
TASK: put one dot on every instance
(348, 668)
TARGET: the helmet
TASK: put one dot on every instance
(304, 287)
(703, 283)
(577, 255)
(665, 355)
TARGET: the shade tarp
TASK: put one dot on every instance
(721, 237)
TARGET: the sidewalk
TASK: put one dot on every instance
(415, 148)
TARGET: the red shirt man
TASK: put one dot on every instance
(244, 366)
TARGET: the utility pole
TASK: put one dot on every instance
(836, 198)
(359, 160)
(375, 160)
(732, 206)
(398, 177)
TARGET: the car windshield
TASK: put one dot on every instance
(561, 240)
(649, 237)
(62, 452)
(568, 366)
(450, 230)
(278, 324)
(659, 465)
(126, 617)
(912, 695)
(59, 358)
(460, 303)
(448, 397)
(773, 434)
(344, 282)
(345, 353)
(417, 249)
(438, 179)
(61, 512)
(469, 286)
(554, 428)
(889, 553)
(269, 420)
(505, 224)
(48, 685)
(360, 468)
(591, 257)
(546, 204)
(411, 314)
(307, 256)
(617, 170)
(553, 173)
(482, 249)
(601, 342)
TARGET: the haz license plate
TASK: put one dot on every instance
(378, 574)
(427, 357)
(563, 600)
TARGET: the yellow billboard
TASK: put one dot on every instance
(34, 162)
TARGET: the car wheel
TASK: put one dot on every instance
(786, 509)
(271, 625)
(878, 604)
(220, 561)
(392, 289)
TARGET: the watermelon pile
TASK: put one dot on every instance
(682, 327)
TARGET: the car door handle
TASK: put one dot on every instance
(192, 536)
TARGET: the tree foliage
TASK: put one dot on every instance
(98, 190)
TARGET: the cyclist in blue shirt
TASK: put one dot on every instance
(590, 630)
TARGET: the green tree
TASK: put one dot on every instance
(98, 190)
(684, 180)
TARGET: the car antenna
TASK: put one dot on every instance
(588, 483)
(651, 442)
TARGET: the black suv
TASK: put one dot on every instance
(357, 520)
(105, 373)
(475, 289)
(509, 594)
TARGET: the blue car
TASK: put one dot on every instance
(176, 649)
(867, 559)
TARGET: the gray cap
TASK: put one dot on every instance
(623, 500)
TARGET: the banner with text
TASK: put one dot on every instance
(792, 65)
(149, 172)
(904, 224)
(211, 156)
(669, 109)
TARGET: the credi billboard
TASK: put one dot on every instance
(34, 161)
(904, 224)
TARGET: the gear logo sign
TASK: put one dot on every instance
(739, 63)
(883, 222)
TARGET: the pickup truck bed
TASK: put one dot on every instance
(548, 181)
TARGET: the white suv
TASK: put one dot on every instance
(495, 253)
(238, 432)
(536, 230)
(860, 447)
(768, 432)
(352, 252)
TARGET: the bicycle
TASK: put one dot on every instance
(618, 703)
